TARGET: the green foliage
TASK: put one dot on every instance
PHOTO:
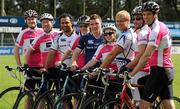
(102, 7)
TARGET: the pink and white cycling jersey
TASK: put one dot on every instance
(63, 43)
(142, 38)
(160, 37)
(101, 53)
(43, 43)
(24, 40)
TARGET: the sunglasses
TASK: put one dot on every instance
(109, 33)
(138, 18)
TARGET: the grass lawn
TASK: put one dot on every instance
(7, 81)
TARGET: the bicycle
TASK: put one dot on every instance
(93, 102)
(58, 99)
(48, 97)
(123, 101)
(14, 97)
(82, 94)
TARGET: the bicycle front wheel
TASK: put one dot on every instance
(176, 102)
(8, 97)
(26, 99)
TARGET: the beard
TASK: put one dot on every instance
(66, 29)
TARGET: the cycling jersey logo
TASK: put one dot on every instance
(90, 41)
(63, 40)
(48, 44)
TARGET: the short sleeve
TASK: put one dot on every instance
(55, 42)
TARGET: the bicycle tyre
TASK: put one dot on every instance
(45, 100)
(108, 105)
(92, 102)
(176, 102)
(8, 97)
(61, 102)
(21, 101)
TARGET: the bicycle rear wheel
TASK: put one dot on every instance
(67, 101)
(45, 101)
(8, 97)
(176, 102)
(111, 104)
(92, 103)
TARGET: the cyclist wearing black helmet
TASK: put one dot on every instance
(142, 30)
(24, 40)
(158, 53)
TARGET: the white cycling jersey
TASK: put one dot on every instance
(63, 43)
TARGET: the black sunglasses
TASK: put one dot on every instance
(138, 18)
(109, 33)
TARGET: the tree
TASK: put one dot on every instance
(168, 9)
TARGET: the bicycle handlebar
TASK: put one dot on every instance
(111, 73)
(25, 70)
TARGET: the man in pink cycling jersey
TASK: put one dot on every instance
(43, 42)
(24, 40)
(158, 50)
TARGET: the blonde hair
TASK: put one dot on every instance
(123, 15)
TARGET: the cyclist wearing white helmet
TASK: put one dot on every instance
(83, 23)
(24, 40)
(158, 53)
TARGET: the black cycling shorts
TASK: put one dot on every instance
(30, 83)
(159, 84)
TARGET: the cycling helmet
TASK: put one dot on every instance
(150, 6)
(83, 19)
(46, 16)
(109, 26)
(137, 10)
(30, 13)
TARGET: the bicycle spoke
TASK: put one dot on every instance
(8, 99)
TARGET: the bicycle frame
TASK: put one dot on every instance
(124, 98)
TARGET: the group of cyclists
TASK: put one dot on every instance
(144, 51)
